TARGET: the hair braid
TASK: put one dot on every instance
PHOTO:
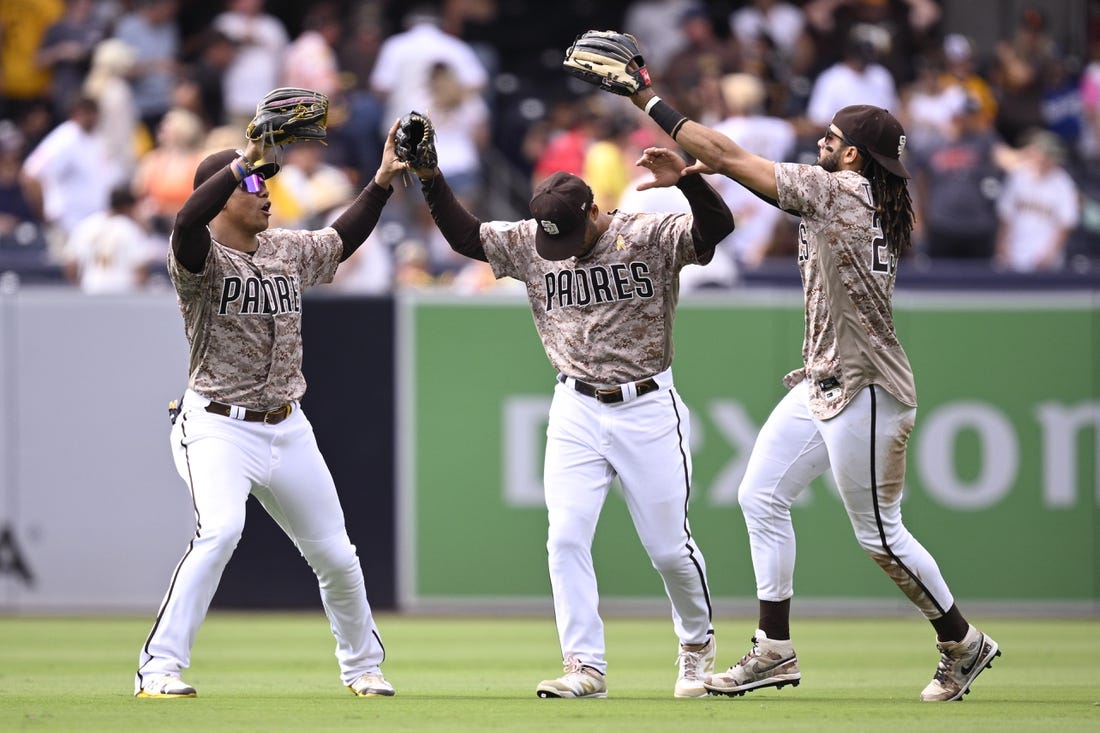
(893, 204)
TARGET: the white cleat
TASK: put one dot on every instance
(372, 684)
(578, 681)
(164, 686)
(695, 667)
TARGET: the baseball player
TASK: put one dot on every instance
(240, 428)
(603, 288)
(852, 405)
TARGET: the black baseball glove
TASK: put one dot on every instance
(287, 114)
(605, 58)
(414, 142)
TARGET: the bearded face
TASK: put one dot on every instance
(829, 159)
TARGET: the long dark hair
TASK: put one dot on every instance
(893, 204)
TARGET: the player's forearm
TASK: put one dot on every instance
(359, 219)
(190, 237)
(710, 147)
(713, 218)
(459, 227)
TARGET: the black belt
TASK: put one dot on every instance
(270, 417)
(611, 395)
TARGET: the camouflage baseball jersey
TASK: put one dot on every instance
(243, 315)
(848, 277)
(605, 319)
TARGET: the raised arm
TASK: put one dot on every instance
(190, 237)
(713, 219)
(714, 150)
(357, 221)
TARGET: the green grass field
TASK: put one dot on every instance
(275, 672)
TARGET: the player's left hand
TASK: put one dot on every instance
(287, 114)
(609, 60)
(667, 167)
(390, 167)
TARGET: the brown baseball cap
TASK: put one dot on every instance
(214, 162)
(560, 207)
(874, 130)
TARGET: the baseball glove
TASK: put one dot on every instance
(414, 142)
(603, 59)
(287, 114)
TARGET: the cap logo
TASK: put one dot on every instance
(549, 227)
(901, 144)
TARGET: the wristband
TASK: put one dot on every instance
(649, 105)
(241, 166)
(665, 116)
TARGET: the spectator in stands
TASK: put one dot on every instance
(109, 251)
(1020, 67)
(200, 87)
(152, 30)
(561, 140)
(857, 79)
(961, 69)
(929, 106)
(311, 61)
(609, 158)
(769, 137)
(261, 40)
(1090, 105)
(1061, 103)
(359, 48)
(24, 85)
(17, 217)
(66, 51)
(781, 22)
(656, 25)
(63, 175)
(119, 125)
(163, 181)
(401, 77)
(909, 24)
(461, 119)
(693, 71)
(776, 45)
(957, 188)
(1038, 209)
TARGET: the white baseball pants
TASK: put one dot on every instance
(864, 446)
(223, 461)
(643, 441)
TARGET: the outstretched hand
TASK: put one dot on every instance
(390, 167)
(667, 168)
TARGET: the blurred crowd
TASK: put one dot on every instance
(106, 107)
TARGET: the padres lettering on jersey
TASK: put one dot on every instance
(606, 318)
(260, 296)
(243, 315)
(597, 284)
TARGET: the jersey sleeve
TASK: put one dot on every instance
(803, 188)
(676, 229)
(319, 253)
(188, 283)
(510, 247)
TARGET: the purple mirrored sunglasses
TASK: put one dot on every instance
(253, 183)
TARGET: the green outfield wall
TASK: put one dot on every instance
(1002, 484)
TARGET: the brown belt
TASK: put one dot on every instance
(611, 395)
(270, 417)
